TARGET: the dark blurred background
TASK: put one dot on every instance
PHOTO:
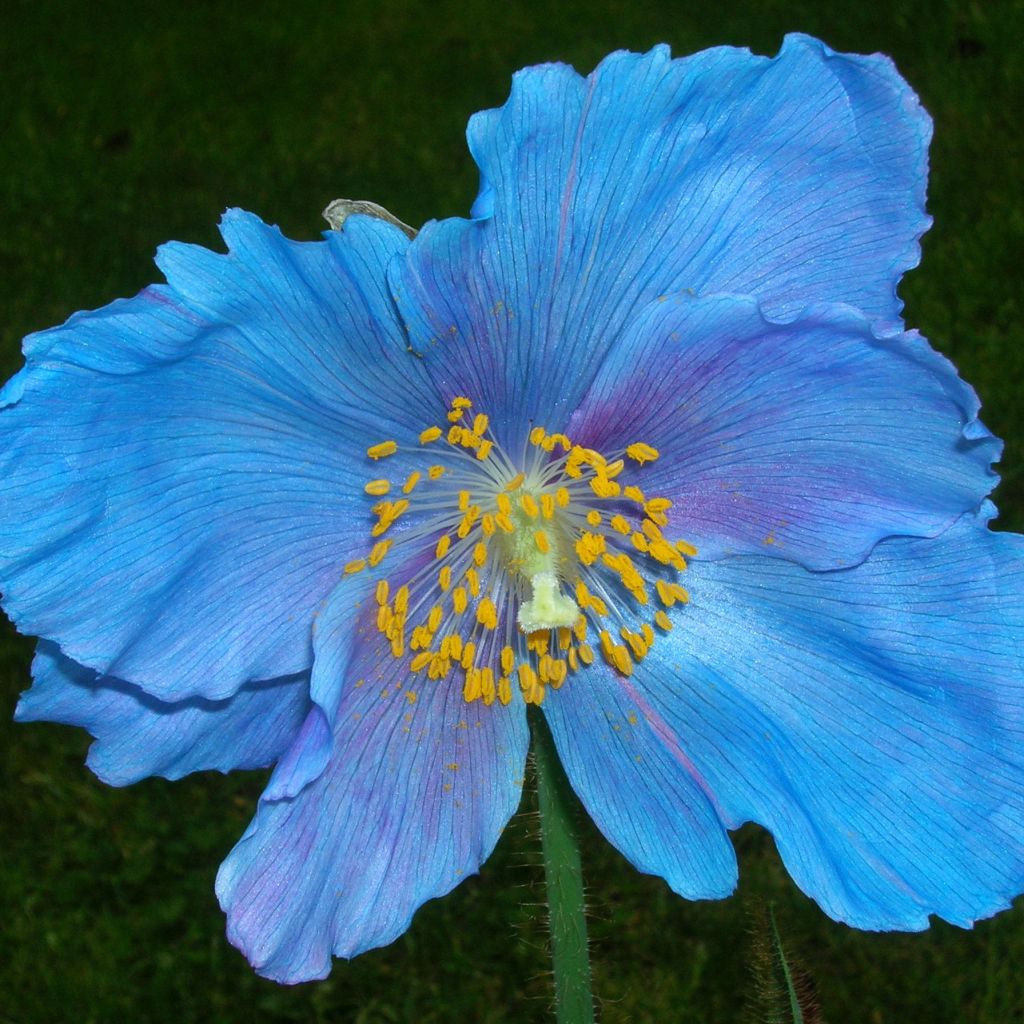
(127, 124)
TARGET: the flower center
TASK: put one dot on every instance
(493, 570)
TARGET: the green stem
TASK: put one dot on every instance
(564, 881)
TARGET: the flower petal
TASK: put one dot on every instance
(639, 788)
(810, 440)
(872, 719)
(418, 787)
(138, 736)
(798, 179)
(177, 485)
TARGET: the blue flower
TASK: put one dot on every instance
(643, 442)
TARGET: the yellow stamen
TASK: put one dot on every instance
(430, 434)
(377, 488)
(642, 453)
(382, 450)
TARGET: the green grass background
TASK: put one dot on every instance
(127, 124)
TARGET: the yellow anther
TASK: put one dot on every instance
(480, 553)
(411, 481)
(613, 469)
(382, 450)
(381, 593)
(455, 645)
(378, 551)
(357, 565)
(657, 505)
(444, 578)
(637, 644)
(634, 494)
(454, 433)
(461, 402)
(468, 654)
(487, 689)
(453, 417)
(468, 439)
(663, 552)
(504, 523)
(459, 600)
(529, 505)
(435, 472)
(487, 524)
(443, 544)
(580, 629)
(434, 618)
(652, 530)
(604, 488)
(540, 538)
(648, 633)
(562, 497)
(594, 517)
(480, 422)
(508, 660)
(640, 543)
(504, 503)
(586, 654)
(642, 453)
(504, 690)
(468, 521)
(590, 546)
(430, 434)
(527, 677)
(574, 661)
(557, 439)
(402, 599)
(620, 524)
(471, 688)
(685, 549)
(537, 435)
(564, 638)
(538, 641)
(421, 661)
(558, 671)
(544, 667)
(516, 482)
(464, 499)
(620, 660)
(662, 621)
(473, 580)
(377, 488)
(487, 614)
(484, 450)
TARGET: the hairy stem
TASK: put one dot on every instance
(563, 878)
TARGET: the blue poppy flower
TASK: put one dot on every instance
(643, 442)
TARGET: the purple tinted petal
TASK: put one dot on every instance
(872, 719)
(639, 787)
(417, 788)
(810, 440)
(798, 180)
